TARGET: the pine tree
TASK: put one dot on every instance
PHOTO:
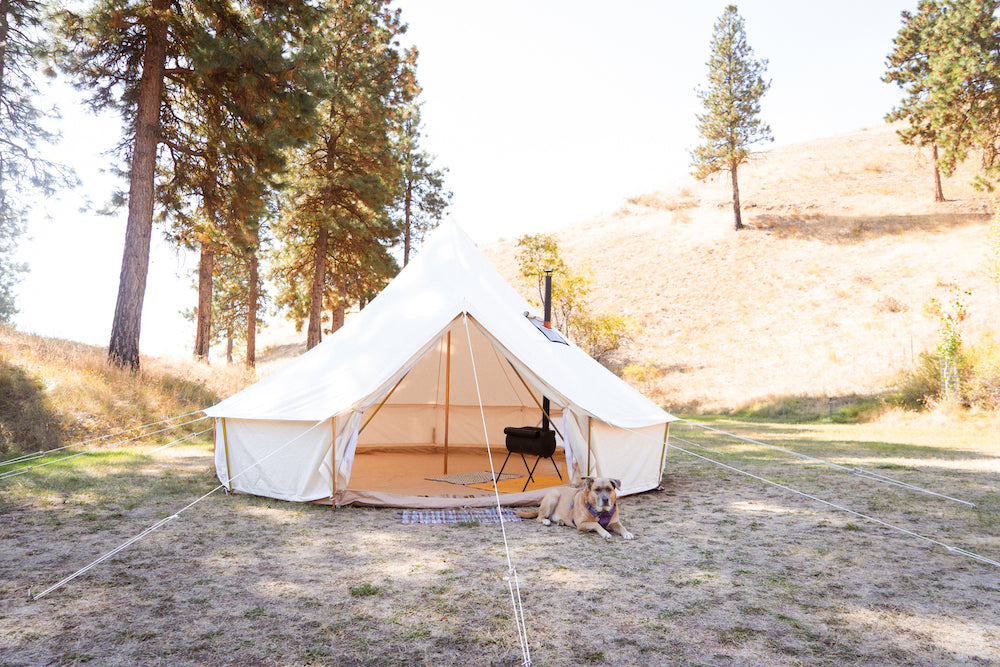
(947, 59)
(160, 64)
(909, 68)
(424, 197)
(731, 123)
(337, 224)
(25, 175)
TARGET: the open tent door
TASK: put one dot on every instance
(429, 427)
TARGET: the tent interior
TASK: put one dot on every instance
(429, 425)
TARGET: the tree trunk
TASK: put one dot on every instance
(203, 332)
(315, 333)
(123, 350)
(736, 199)
(252, 313)
(229, 345)
(938, 192)
(407, 236)
(339, 310)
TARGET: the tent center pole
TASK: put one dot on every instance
(447, 400)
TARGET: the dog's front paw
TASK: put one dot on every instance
(628, 536)
(546, 522)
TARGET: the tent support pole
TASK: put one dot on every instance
(447, 401)
(589, 419)
(663, 454)
(372, 415)
(333, 464)
(225, 447)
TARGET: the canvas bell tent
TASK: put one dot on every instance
(399, 404)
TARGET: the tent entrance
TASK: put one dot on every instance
(428, 426)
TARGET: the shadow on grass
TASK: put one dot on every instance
(27, 420)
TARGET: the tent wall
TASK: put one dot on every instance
(630, 455)
(287, 460)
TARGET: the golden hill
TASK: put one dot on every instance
(822, 296)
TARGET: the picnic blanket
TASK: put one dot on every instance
(456, 516)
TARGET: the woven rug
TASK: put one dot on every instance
(516, 485)
(456, 516)
(471, 478)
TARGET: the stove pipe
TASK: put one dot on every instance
(548, 325)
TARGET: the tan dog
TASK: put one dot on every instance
(592, 505)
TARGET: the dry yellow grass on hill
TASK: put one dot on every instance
(822, 296)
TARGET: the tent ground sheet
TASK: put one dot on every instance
(418, 471)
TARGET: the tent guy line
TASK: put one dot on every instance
(26, 469)
(189, 436)
(905, 531)
(162, 522)
(512, 581)
(861, 472)
(35, 455)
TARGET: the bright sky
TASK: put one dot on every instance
(545, 114)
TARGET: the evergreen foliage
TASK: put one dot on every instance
(25, 175)
(337, 226)
(424, 196)
(216, 84)
(731, 122)
(946, 57)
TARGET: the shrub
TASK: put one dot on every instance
(978, 368)
(982, 363)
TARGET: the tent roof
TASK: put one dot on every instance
(449, 278)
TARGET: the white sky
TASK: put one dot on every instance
(546, 113)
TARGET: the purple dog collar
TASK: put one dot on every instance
(603, 518)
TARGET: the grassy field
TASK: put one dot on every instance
(726, 569)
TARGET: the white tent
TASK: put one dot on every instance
(408, 375)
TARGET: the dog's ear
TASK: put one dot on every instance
(587, 481)
(617, 483)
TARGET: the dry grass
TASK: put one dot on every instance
(822, 296)
(58, 392)
(724, 570)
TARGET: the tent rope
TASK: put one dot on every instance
(861, 472)
(512, 581)
(784, 487)
(35, 455)
(26, 469)
(189, 436)
(162, 522)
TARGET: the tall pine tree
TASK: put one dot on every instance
(338, 224)
(908, 66)
(946, 57)
(155, 62)
(424, 195)
(731, 123)
(25, 175)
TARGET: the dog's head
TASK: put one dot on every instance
(602, 492)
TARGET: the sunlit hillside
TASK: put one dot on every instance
(823, 295)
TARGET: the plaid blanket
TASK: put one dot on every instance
(456, 516)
